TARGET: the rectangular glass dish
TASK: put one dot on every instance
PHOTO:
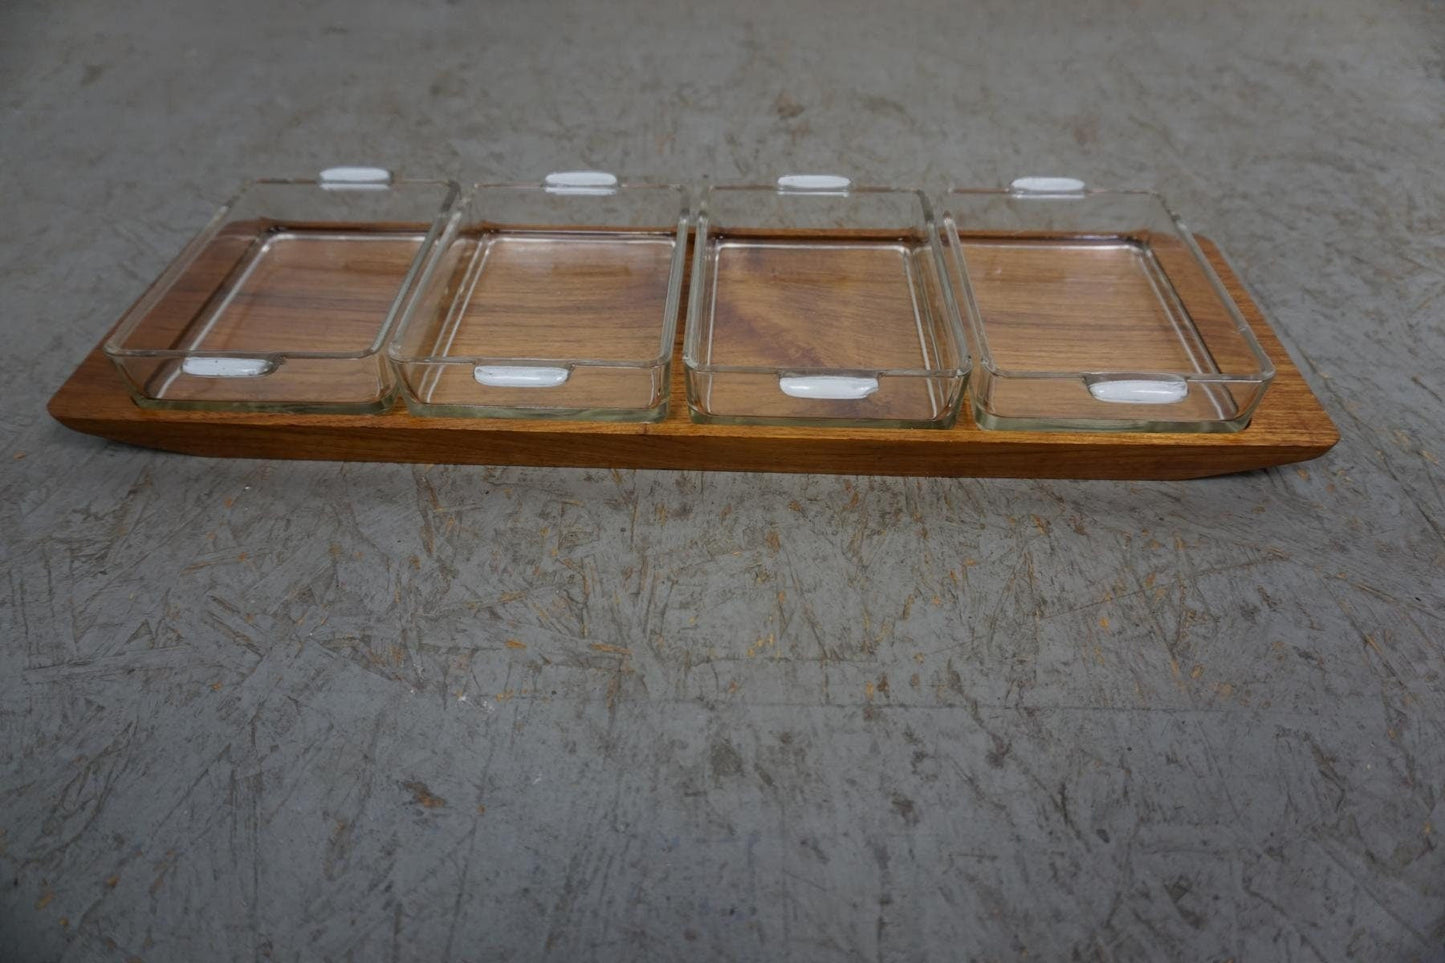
(285, 301)
(816, 302)
(551, 300)
(1096, 310)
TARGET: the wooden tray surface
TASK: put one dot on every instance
(1289, 426)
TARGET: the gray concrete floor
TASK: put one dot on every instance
(291, 711)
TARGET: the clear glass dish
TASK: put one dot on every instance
(286, 299)
(816, 302)
(551, 300)
(1096, 310)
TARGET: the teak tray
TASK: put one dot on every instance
(1289, 426)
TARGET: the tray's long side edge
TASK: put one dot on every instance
(1185, 457)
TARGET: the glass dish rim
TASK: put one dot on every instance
(676, 269)
(1262, 375)
(925, 208)
(182, 262)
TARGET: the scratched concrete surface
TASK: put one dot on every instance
(292, 711)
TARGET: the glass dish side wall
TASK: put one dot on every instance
(544, 304)
(1096, 311)
(284, 301)
(822, 308)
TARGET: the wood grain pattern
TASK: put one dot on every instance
(1086, 305)
(1290, 426)
(550, 296)
(795, 303)
(558, 296)
(817, 306)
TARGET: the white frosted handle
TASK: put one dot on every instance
(355, 178)
(227, 367)
(828, 387)
(1139, 391)
(1047, 185)
(519, 376)
(815, 183)
(580, 182)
